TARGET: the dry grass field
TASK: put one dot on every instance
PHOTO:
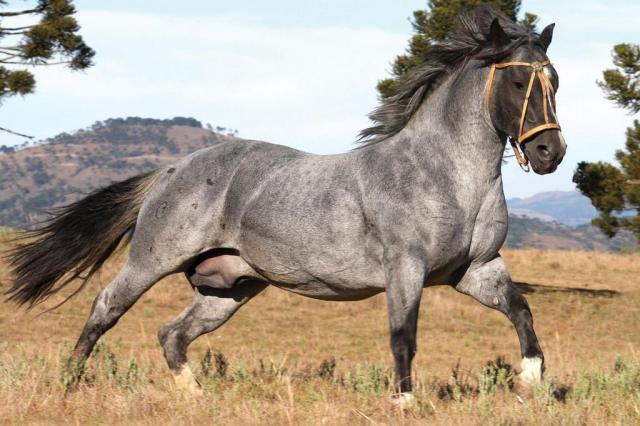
(284, 359)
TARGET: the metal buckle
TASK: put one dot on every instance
(519, 153)
(537, 66)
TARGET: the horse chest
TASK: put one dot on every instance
(452, 234)
(443, 230)
(490, 229)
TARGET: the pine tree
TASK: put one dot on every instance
(433, 25)
(44, 33)
(622, 84)
(616, 189)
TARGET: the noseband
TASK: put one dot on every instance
(548, 94)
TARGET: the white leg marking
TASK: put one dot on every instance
(531, 370)
(403, 400)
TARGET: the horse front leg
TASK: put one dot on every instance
(404, 283)
(490, 284)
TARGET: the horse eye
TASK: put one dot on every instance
(518, 85)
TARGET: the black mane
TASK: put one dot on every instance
(470, 39)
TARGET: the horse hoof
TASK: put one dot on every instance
(185, 381)
(530, 376)
(403, 400)
(523, 390)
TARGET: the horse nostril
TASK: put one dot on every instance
(543, 151)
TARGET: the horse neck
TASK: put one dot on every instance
(452, 127)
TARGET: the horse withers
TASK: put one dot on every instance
(419, 203)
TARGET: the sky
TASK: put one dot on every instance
(302, 74)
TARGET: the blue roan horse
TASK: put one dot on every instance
(419, 203)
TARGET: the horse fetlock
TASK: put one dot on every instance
(532, 369)
(174, 350)
(73, 373)
(403, 400)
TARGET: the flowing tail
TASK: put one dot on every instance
(80, 237)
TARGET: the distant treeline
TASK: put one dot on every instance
(139, 121)
(114, 126)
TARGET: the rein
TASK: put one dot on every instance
(537, 70)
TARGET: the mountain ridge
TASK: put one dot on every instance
(566, 207)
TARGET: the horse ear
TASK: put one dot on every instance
(546, 36)
(497, 36)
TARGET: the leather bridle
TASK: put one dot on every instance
(548, 96)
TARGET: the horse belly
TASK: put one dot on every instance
(325, 291)
(314, 241)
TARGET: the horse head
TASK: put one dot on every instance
(521, 99)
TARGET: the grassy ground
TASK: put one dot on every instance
(284, 359)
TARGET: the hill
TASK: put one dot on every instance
(537, 233)
(566, 207)
(61, 169)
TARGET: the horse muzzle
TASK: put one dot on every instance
(546, 151)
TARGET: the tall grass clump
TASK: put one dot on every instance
(371, 379)
(495, 375)
(602, 386)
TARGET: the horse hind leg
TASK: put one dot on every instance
(209, 309)
(110, 304)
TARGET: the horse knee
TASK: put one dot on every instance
(491, 285)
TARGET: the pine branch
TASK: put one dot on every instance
(19, 12)
(28, 27)
(35, 64)
(16, 133)
(12, 33)
(8, 57)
